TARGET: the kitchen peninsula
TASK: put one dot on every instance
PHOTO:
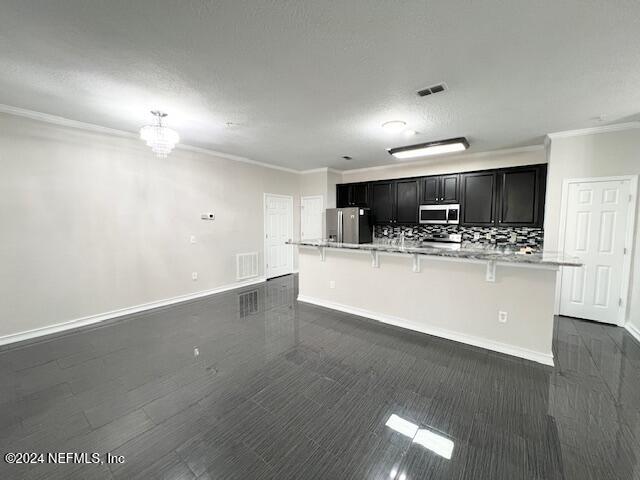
(489, 297)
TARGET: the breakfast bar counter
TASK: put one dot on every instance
(490, 297)
(502, 254)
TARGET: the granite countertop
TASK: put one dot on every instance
(465, 251)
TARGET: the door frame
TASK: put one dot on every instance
(631, 224)
(264, 231)
(321, 197)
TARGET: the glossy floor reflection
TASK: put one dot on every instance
(252, 385)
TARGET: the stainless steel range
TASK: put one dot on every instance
(450, 241)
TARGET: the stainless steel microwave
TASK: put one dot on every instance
(442, 214)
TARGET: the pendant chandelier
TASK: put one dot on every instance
(160, 138)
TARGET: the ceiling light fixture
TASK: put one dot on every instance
(160, 138)
(394, 126)
(432, 148)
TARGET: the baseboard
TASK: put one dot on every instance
(545, 359)
(101, 317)
(633, 330)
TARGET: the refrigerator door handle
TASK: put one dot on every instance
(340, 226)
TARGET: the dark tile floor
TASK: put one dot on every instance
(251, 384)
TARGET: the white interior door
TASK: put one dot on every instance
(595, 232)
(278, 228)
(311, 217)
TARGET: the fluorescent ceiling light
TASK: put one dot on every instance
(394, 126)
(432, 148)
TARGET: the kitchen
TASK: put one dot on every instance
(459, 255)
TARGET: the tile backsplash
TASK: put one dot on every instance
(519, 236)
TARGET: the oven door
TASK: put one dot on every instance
(433, 214)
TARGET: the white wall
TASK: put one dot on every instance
(449, 164)
(596, 155)
(333, 178)
(92, 222)
(321, 182)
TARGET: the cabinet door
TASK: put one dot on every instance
(449, 189)
(382, 202)
(520, 195)
(478, 198)
(359, 195)
(342, 195)
(430, 190)
(407, 201)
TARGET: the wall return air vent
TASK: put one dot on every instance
(440, 87)
(246, 265)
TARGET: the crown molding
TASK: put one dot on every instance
(66, 122)
(490, 153)
(320, 170)
(615, 127)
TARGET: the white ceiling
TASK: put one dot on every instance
(311, 80)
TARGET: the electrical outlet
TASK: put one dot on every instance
(194, 276)
(332, 284)
(196, 351)
(192, 239)
(502, 316)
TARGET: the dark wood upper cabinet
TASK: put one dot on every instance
(382, 202)
(521, 196)
(449, 189)
(430, 190)
(342, 195)
(360, 195)
(478, 198)
(352, 195)
(440, 189)
(407, 201)
(509, 197)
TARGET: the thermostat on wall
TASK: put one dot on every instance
(208, 216)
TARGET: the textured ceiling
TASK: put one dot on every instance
(308, 81)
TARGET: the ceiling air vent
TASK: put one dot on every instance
(441, 87)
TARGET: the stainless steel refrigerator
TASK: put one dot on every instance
(349, 225)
